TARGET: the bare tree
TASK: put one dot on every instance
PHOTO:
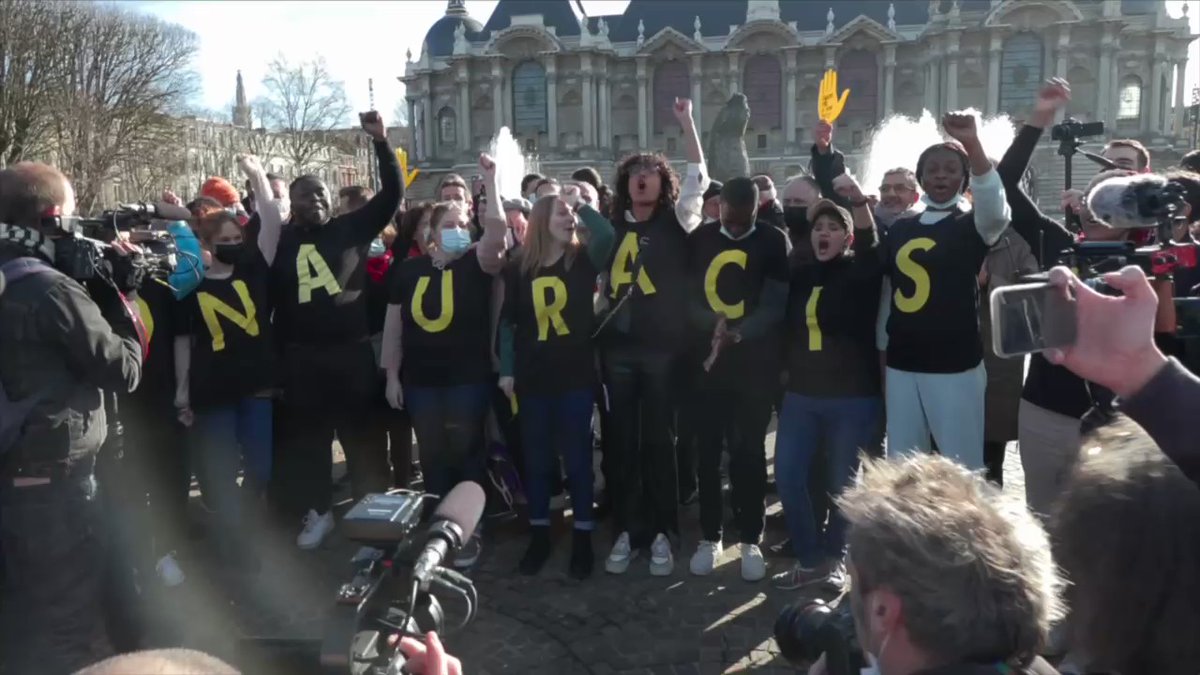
(125, 75)
(400, 114)
(302, 103)
(30, 69)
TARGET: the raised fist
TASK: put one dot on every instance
(683, 111)
(1054, 94)
(823, 135)
(169, 197)
(961, 127)
(846, 186)
(249, 165)
(372, 123)
(487, 165)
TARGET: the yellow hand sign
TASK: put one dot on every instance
(829, 106)
(408, 176)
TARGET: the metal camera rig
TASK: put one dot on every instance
(87, 252)
(1068, 134)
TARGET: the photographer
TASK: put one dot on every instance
(944, 578)
(59, 347)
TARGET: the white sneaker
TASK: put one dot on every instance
(662, 563)
(754, 568)
(316, 526)
(168, 571)
(618, 560)
(705, 558)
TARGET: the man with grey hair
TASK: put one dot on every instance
(946, 576)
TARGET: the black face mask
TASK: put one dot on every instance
(228, 253)
(796, 220)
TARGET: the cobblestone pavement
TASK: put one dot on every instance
(633, 623)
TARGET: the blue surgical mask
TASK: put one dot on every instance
(377, 248)
(733, 238)
(455, 241)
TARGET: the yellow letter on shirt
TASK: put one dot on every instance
(312, 272)
(418, 310)
(550, 311)
(920, 277)
(810, 315)
(730, 257)
(211, 307)
(622, 273)
(147, 318)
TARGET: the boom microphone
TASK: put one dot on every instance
(453, 522)
(1135, 202)
(161, 210)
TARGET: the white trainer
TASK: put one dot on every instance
(316, 527)
(705, 558)
(168, 571)
(754, 567)
(622, 554)
(662, 562)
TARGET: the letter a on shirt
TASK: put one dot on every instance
(910, 304)
(442, 322)
(549, 300)
(313, 272)
(729, 257)
(211, 308)
(622, 269)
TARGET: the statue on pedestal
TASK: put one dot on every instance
(726, 152)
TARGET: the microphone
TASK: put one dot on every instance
(161, 210)
(453, 522)
(1135, 202)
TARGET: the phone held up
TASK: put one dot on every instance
(1031, 318)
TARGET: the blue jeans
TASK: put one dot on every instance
(562, 421)
(449, 422)
(842, 427)
(220, 432)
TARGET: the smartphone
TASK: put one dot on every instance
(1031, 318)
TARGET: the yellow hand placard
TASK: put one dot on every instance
(408, 176)
(829, 106)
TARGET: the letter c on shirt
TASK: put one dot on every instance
(549, 300)
(313, 272)
(622, 272)
(729, 257)
(919, 275)
(442, 322)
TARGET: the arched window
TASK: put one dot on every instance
(529, 98)
(1020, 72)
(447, 127)
(761, 84)
(1129, 106)
(670, 82)
(859, 72)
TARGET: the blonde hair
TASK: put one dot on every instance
(971, 567)
(538, 239)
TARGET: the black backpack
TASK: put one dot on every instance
(13, 413)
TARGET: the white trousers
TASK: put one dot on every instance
(950, 406)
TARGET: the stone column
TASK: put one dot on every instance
(933, 94)
(696, 78)
(508, 98)
(551, 101)
(605, 139)
(1154, 124)
(497, 96)
(995, 52)
(1064, 42)
(1180, 72)
(830, 58)
(889, 79)
(412, 126)
(1104, 82)
(431, 147)
(735, 73)
(952, 72)
(463, 81)
(643, 129)
(790, 72)
(589, 107)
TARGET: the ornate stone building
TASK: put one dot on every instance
(578, 90)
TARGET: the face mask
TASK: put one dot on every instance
(929, 203)
(455, 241)
(228, 253)
(796, 219)
(733, 238)
(377, 248)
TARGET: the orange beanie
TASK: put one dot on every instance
(219, 189)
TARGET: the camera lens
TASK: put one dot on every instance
(799, 629)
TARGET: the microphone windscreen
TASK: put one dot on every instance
(463, 506)
(167, 211)
(1115, 202)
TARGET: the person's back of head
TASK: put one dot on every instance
(30, 190)
(353, 197)
(1191, 161)
(588, 175)
(161, 662)
(1127, 535)
(944, 568)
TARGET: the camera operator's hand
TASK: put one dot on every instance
(1054, 95)
(1114, 344)
(1072, 200)
(428, 658)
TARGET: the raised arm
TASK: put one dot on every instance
(270, 216)
(491, 246)
(375, 215)
(990, 207)
(689, 208)
(827, 164)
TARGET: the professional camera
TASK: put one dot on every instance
(87, 252)
(390, 591)
(1072, 129)
(805, 630)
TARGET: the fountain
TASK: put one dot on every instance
(899, 140)
(511, 163)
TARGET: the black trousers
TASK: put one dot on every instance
(156, 463)
(733, 414)
(687, 424)
(51, 618)
(303, 476)
(641, 399)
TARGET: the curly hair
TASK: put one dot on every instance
(668, 195)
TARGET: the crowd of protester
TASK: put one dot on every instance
(681, 314)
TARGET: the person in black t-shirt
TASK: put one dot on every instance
(646, 291)
(327, 367)
(225, 367)
(834, 400)
(738, 269)
(546, 360)
(436, 337)
(935, 376)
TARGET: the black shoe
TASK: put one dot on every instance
(538, 551)
(582, 557)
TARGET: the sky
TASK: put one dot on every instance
(360, 40)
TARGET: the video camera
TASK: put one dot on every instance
(1072, 129)
(87, 252)
(806, 630)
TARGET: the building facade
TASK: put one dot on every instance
(578, 90)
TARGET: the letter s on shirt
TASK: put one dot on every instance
(914, 271)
